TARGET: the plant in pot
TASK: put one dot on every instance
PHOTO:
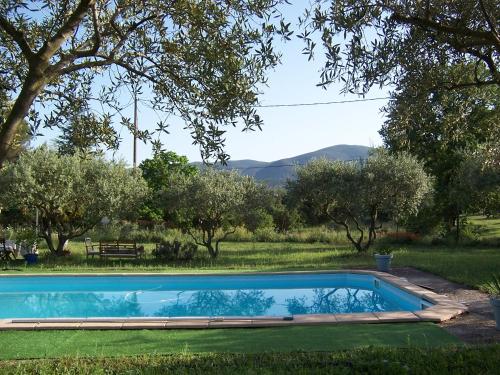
(493, 289)
(383, 258)
(27, 240)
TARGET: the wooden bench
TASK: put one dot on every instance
(90, 248)
(120, 249)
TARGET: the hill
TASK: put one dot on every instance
(277, 172)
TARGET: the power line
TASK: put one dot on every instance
(320, 103)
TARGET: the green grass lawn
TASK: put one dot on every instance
(54, 344)
(372, 360)
(472, 266)
(488, 228)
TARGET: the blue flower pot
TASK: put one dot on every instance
(31, 258)
(383, 262)
(495, 303)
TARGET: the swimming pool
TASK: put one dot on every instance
(210, 296)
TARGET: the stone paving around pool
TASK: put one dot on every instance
(443, 309)
(477, 326)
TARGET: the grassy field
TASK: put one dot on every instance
(387, 361)
(488, 228)
(472, 266)
(55, 344)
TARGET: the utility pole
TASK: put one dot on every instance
(37, 226)
(135, 128)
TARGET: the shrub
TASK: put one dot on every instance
(493, 287)
(174, 250)
(241, 234)
(267, 234)
(258, 219)
(384, 251)
(470, 232)
(428, 220)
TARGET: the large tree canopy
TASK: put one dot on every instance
(72, 194)
(442, 127)
(160, 172)
(202, 60)
(374, 42)
(163, 167)
(354, 195)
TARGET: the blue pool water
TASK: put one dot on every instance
(182, 296)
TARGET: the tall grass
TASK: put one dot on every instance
(131, 231)
(320, 234)
(158, 233)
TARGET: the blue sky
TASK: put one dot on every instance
(287, 131)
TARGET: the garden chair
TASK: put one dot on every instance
(7, 249)
(90, 248)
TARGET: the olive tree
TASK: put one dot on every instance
(354, 194)
(210, 205)
(375, 42)
(476, 184)
(71, 194)
(201, 60)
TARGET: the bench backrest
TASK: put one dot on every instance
(117, 247)
(88, 244)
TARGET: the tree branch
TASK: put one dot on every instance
(18, 37)
(490, 22)
(223, 238)
(489, 62)
(485, 36)
(130, 30)
(196, 241)
(50, 47)
(96, 38)
(84, 65)
(454, 86)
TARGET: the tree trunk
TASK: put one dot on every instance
(213, 252)
(61, 241)
(50, 243)
(61, 244)
(357, 244)
(34, 84)
(372, 231)
(38, 75)
(208, 244)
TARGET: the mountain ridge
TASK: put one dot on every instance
(277, 172)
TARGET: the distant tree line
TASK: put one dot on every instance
(74, 192)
